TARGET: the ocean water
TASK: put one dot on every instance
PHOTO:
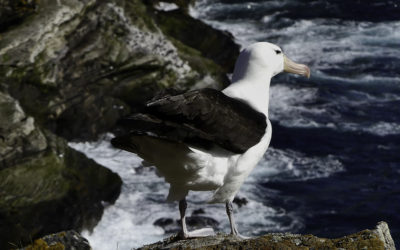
(347, 114)
(333, 167)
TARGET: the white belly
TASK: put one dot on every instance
(188, 168)
(239, 171)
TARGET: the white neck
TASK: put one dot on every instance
(251, 88)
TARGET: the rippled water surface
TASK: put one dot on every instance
(334, 164)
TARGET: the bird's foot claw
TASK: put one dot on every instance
(203, 232)
(238, 235)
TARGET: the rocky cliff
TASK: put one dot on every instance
(96, 59)
(376, 239)
(69, 69)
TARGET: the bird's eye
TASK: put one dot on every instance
(278, 52)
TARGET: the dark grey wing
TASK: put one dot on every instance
(201, 117)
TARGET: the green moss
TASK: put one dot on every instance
(138, 80)
(214, 56)
(57, 189)
(213, 44)
(7, 108)
(26, 85)
(38, 180)
(41, 244)
(139, 14)
(5, 56)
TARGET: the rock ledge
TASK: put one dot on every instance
(378, 238)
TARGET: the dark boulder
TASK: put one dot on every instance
(240, 201)
(197, 222)
(193, 222)
(45, 186)
(168, 224)
(198, 211)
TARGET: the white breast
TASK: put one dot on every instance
(189, 168)
(241, 168)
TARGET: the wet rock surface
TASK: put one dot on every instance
(378, 238)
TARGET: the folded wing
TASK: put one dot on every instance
(202, 118)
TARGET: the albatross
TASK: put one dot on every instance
(210, 140)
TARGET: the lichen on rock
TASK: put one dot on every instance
(367, 239)
(65, 240)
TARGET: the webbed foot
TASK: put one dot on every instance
(203, 232)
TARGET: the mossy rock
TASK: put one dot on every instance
(376, 239)
(206, 66)
(216, 45)
(19, 137)
(65, 240)
(55, 190)
(93, 57)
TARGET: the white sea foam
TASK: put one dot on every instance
(164, 6)
(320, 43)
(325, 45)
(288, 165)
(379, 128)
(295, 107)
(360, 80)
(287, 104)
(129, 221)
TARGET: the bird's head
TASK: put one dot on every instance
(262, 58)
